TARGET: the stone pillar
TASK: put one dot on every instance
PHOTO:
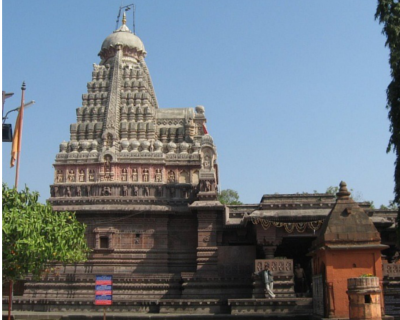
(207, 250)
(269, 251)
(364, 298)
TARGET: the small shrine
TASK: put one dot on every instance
(349, 246)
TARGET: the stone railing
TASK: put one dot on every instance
(277, 266)
(391, 270)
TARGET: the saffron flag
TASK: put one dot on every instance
(16, 141)
(205, 128)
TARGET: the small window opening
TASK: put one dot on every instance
(103, 242)
(137, 235)
(367, 298)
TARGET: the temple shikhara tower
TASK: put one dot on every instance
(144, 180)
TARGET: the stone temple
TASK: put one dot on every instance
(145, 182)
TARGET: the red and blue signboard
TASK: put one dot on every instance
(103, 291)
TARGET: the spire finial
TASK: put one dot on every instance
(124, 19)
(343, 192)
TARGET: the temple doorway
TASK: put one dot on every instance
(297, 248)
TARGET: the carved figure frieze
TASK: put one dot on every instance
(207, 162)
(134, 175)
(207, 185)
(60, 176)
(124, 175)
(81, 175)
(145, 175)
(107, 168)
(159, 191)
(91, 175)
(158, 176)
(71, 175)
(184, 177)
(106, 191)
(171, 176)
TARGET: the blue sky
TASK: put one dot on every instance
(294, 91)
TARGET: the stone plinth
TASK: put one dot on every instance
(364, 298)
(282, 271)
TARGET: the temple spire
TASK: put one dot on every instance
(124, 19)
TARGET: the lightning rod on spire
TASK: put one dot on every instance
(127, 8)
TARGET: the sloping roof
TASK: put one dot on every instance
(347, 223)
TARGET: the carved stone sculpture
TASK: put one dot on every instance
(134, 175)
(71, 176)
(81, 175)
(124, 191)
(158, 176)
(171, 176)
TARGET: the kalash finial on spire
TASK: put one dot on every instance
(124, 18)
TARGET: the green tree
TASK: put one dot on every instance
(332, 190)
(388, 14)
(34, 236)
(229, 196)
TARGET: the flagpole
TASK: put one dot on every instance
(21, 111)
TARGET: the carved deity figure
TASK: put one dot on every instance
(145, 176)
(191, 127)
(124, 191)
(106, 191)
(81, 175)
(71, 176)
(68, 192)
(134, 174)
(172, 192)
(88, 190)
(207, 162)
(109, 140)
(91, 175)
(124, 175)
(135, 191)
(59, 176)
(158, 176)
(171, 176)
(146, 191)
(78, 191)
(107, 168)
(159, 191)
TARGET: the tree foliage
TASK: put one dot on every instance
(34, 236)
(229, 196)
(388, 14)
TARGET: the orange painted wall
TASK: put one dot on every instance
(344, 264)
